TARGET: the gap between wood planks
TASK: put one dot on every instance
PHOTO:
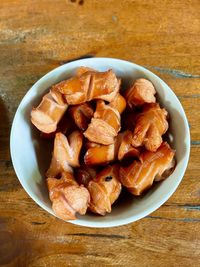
(173, 219)
(187, 220)
(173, 72)
(99, 235)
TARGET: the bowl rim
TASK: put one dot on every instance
(118, 222)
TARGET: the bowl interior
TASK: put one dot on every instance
(31, 155)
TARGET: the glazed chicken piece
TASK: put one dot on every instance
(142, 91)
(81, 115)
(65, 154)
(47, 115)
(104, 190)
(140, 175)
(89, 85)
(102, 154)
(68, 198)
(151, 124)
(104, 126)
(84, 175)
(119, 103)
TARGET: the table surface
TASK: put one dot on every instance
(36, 37)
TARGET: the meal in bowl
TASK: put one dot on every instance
(104, 140)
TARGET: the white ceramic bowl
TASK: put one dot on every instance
(31, 155)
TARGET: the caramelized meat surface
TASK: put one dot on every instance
(98, 154)
(68, 198)
(89, 85)
(65, 153)
(104, 190)
(104, 126)
(119, 103)
(151, 124)
(140, 175)
(81, 115)
(142, 91)
(47, 115)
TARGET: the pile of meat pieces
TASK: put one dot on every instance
(96, 132)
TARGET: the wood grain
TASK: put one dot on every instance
(37, 36)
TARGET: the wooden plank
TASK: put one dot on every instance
(37, 36)
(50, 241)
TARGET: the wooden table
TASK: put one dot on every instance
(37, 36)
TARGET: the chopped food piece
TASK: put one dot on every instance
(140, 175)
(110, 115)
(104, 190)
(151, 124)
(75, 89)
(102, 154)
(69, 151)
(68, 198)
(119, 103)
(57, 96)
(105, 125)
(66, 153)
(47, 115)
(81, 115)
(162, 176)
(142, 91)
(66, 126)
(100, 132)
(90, 85)
(126, 150)
(104, 85)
